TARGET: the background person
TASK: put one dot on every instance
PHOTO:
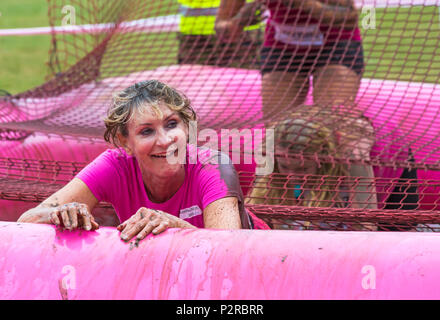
(198, 43)
(301, 175)
(304, 38)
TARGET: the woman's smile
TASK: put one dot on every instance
(164, 155)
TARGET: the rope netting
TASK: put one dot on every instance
(329, 109)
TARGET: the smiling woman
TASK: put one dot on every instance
(148, 178)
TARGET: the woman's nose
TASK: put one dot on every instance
(164, 138)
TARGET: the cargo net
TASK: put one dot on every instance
(334, 105)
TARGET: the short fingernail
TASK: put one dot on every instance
(123, 237)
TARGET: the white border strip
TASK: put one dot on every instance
(149, 25)
(396, 3)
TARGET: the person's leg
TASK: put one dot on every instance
(336, 82)
(281, 92)
(197, 49)
(285, 82)
(338, 73)
(335, 85)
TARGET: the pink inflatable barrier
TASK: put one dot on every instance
(40, 262)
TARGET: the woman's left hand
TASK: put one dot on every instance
(146, 221)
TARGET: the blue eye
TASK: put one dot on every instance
(172, 124)
(146, 132)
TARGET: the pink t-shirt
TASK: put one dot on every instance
(115, 177)
(285, 22)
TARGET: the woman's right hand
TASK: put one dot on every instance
(67, 208)
(73, 216)
(69, 216)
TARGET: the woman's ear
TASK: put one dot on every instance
(123, 141)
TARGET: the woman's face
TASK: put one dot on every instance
(157, 141)
(288, 165)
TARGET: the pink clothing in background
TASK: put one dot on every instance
(280, 14)
(115, 177)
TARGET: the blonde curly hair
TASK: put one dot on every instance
(135, 98)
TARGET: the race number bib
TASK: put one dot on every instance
(190, 212)
(299, 35)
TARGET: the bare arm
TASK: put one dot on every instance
(333, 12)
(365, 196)
(229, 8)
(70, 207)
(234, 16)
(222, 214)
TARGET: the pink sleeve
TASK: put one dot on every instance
(101, 175)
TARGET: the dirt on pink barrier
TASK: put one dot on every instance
(40, 262)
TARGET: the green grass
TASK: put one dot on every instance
(22, 59)
(23, 62)
(404, 45)
(23, 13)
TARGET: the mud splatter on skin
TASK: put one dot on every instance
(54, 204)
(230, 178)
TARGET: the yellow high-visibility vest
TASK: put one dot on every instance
(200, 3)
(197, 17)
